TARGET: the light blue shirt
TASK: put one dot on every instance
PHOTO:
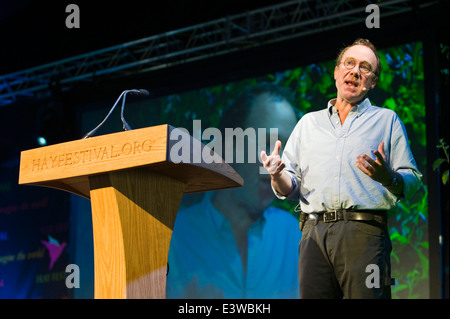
(321, 154)
(204, 261)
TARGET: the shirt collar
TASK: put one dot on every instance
(359, 108)
(222, 224)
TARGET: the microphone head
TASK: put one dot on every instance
(365, 89)
(143, 92)
(140, 92)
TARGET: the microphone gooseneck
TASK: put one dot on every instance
(126, 127)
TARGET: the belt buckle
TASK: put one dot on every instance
(328, 219)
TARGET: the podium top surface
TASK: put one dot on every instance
(164, 149)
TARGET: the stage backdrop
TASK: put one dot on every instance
(34, 239)
(400, 88)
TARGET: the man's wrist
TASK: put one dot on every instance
(276, 176)
(395, 185)
(282, 183)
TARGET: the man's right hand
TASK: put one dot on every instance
(280, 180)
(272, 163)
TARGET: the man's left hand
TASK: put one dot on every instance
(379, 170)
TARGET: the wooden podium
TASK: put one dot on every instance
(135, 182)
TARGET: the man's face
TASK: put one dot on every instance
(353, 84)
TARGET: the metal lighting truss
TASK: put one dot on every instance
(255, 28)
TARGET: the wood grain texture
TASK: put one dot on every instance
(133, 216)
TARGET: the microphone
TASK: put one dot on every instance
(365, 89)
(140, 92)
(126, 127)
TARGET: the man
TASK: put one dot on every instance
(347, 164)
(232, 244)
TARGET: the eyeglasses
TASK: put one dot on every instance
(364, 67)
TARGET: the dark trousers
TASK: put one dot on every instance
(344, 259)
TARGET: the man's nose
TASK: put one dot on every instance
(355, 72)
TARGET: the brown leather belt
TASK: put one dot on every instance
(379, 216)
